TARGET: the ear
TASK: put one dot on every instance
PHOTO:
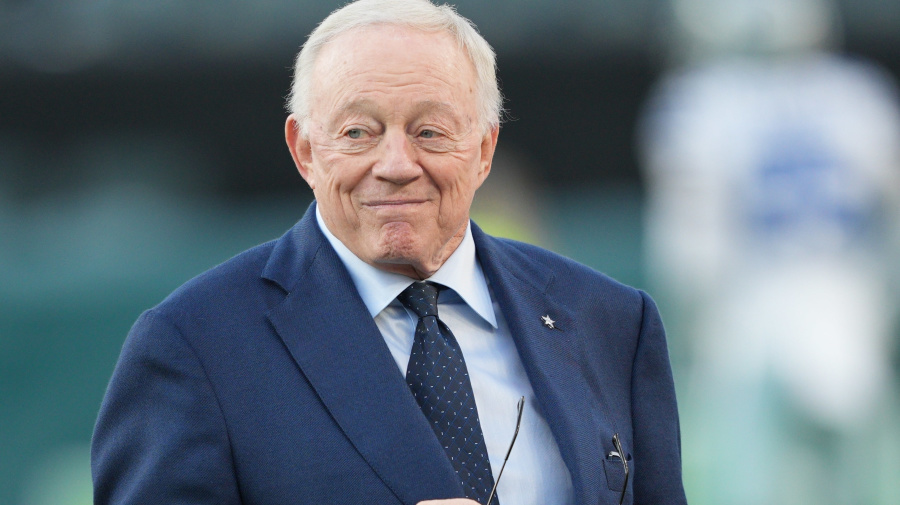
(300, 149)
(488, 146)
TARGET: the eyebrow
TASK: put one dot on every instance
(435, 106)
(363, 105)
(368, 107)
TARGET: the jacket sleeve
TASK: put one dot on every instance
(160, 436)
(657, 441)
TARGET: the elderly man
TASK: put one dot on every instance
(377, 351)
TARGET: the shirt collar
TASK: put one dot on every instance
(461, 272)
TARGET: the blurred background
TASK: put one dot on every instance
(739, 159)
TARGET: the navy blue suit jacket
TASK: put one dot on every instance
(266, 381)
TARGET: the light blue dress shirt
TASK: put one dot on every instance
(535, 473)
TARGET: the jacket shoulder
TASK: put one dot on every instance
(538, 263)
(236, 281)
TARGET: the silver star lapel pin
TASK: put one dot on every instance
(549, 323)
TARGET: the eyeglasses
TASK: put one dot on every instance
(511, 444)
(621, 455)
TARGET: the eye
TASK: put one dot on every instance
(428, 134)
(354, 133)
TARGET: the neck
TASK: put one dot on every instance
(419, 269)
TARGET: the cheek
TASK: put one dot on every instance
(462, 179)
(338, 175)
(457, 192)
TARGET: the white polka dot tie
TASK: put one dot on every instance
(438, 378)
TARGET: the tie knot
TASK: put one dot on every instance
(421, 298)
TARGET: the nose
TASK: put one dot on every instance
(397, 159)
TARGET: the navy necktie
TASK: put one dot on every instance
(438, 378)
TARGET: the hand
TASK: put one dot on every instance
(452, 501)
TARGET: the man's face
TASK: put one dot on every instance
(395, 147)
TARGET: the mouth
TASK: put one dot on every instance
(394, 203)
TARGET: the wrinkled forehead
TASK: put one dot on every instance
(375, 55)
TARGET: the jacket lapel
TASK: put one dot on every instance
(339, 349)
(552, 357)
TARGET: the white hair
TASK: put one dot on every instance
(419, 14)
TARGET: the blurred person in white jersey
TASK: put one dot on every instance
(772, 170)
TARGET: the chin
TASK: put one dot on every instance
(399, 246)
(395, 251)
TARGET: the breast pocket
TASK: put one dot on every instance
(615, 472)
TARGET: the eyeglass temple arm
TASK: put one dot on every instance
(511, 444)
(618, 445)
